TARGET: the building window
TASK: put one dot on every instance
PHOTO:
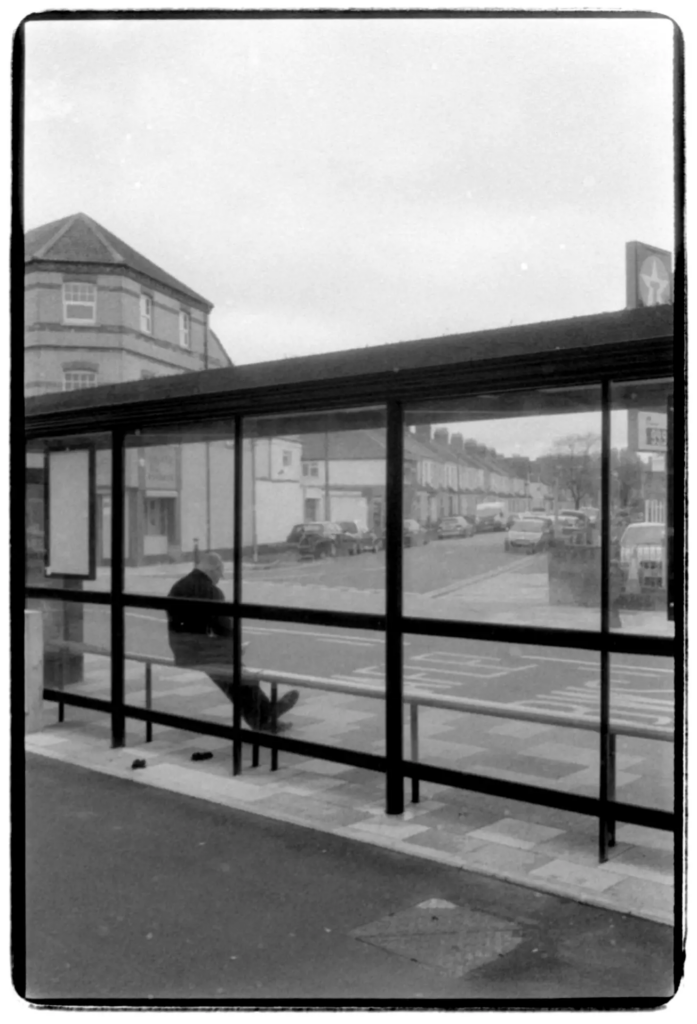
(287, 458)
(184, 329)
(76, 380)
(310, 469)
(79, 303)
(146, 314)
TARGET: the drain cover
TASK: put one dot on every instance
(439, 934)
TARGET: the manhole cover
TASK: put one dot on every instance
(439, 934)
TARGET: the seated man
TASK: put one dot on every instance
(200, 638)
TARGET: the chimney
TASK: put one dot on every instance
(457, 442)
(440, 434)
(422, 432)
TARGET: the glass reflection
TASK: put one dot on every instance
(509, 488)
(314, 510)
(641, 527)
(523, 714)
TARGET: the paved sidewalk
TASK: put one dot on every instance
(542, 848)
(138, 893)
(534, 846)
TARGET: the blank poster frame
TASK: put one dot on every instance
(89, 560)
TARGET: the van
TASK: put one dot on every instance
(490, 515)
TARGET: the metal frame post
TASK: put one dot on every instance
(148, 699)
(414, 729)
(394, 711)
(274, 721)
(236, 597)
(605, 826)
(118, 650)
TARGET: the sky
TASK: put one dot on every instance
(338, 184)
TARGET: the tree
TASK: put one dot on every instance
(573, 465)
(627, 469)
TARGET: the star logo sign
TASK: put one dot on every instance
(654, 282)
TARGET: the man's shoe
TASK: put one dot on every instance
(278, 727)
(288, 701)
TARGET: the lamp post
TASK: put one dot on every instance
(327, 505)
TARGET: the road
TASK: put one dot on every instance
(550, 679)
(543, 679)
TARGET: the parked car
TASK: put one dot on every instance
(320, 540)
(531, 535)
(567, 523)
(357, 538)
(490, 515)
(593, 514)
(642, 547)
(414, 534)
(576, 513)
(455, 526)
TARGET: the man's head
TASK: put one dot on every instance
(212, 564)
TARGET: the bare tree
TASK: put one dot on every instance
(628, 471)
(573, 465)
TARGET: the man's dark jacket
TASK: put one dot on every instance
(199, 636)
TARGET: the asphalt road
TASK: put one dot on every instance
(142, 894)
(551, 679)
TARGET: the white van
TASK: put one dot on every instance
(490, 515)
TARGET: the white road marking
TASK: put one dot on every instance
(584, 700)
(339, 640)
(322, 636)
(595, 664)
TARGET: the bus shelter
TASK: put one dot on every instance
(461, 650)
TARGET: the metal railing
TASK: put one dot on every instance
(414, 698)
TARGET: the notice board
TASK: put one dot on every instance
(70, 513)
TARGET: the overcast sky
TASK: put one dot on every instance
(339, 184)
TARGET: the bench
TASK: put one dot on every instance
(412, 697)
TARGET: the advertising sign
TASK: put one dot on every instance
(652, 431)
(649, 276)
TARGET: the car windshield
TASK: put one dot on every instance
(529, 526)
(644, 533)
(451, 522)
(312, 528)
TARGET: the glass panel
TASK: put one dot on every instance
(339, 675)
(314, 510)
(640, 525)
(86, 478)
(178, 504)
(642, 697)
(73, 642)
(505, 485)
(525, 714)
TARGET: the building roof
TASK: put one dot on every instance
(79, 239)
(345, 444)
